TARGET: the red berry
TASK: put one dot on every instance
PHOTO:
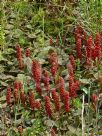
(46, 80)
(61, 88)
(70, 70)
(22, 97)
(36, 71)
(71, 81)
(38, 88)
(31, 100)
(53, 58)
(98, 46)
(16, 95)
(37, 104)
(8, 95)
(72, 61)
(20, 86)
(89, 47)
(54, 68)
(19, 56)
(66, 101)
(74, 88)
(16, 85)
(27, 52)
(48, 106)
(94, 98)
(78, 46)
(98, 38)
(56, 99)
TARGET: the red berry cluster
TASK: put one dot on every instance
(16, 95)
(71, 81)
(37, 104)
(34, 104)
(72, 61)
(53, 60)
(8, 95)
(74, 87)
(66, 101)
(37, 73)
(54, 68)
(22, 98)
(31, 99)
(19, 56)
(48, 106)
(56, 99)
(20, 86)
(16, 91)
(93, 49)
(98, 46)
(16, 85)
(64, 95)
(78, 46)
(27, 52)
(70, 70)
(94, 100)
(46, 80)
(61, 88)
(38, 87)
(89, 47)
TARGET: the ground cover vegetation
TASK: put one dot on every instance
(51, 68)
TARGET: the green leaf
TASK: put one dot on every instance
(77, 103)
(84, 89)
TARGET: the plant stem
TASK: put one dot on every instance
(89, 109)
(43, 29)
(97, 110)
(83, 125)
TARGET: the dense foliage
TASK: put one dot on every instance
(50, 68)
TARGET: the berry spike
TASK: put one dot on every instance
(72, 61)
(31, 100)
(36, 71)
(19, 56)
(61, 88)
(56, 99)
(8, 95)
(46, 80)
(22, 97)
(48, 106)
(66, 101)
